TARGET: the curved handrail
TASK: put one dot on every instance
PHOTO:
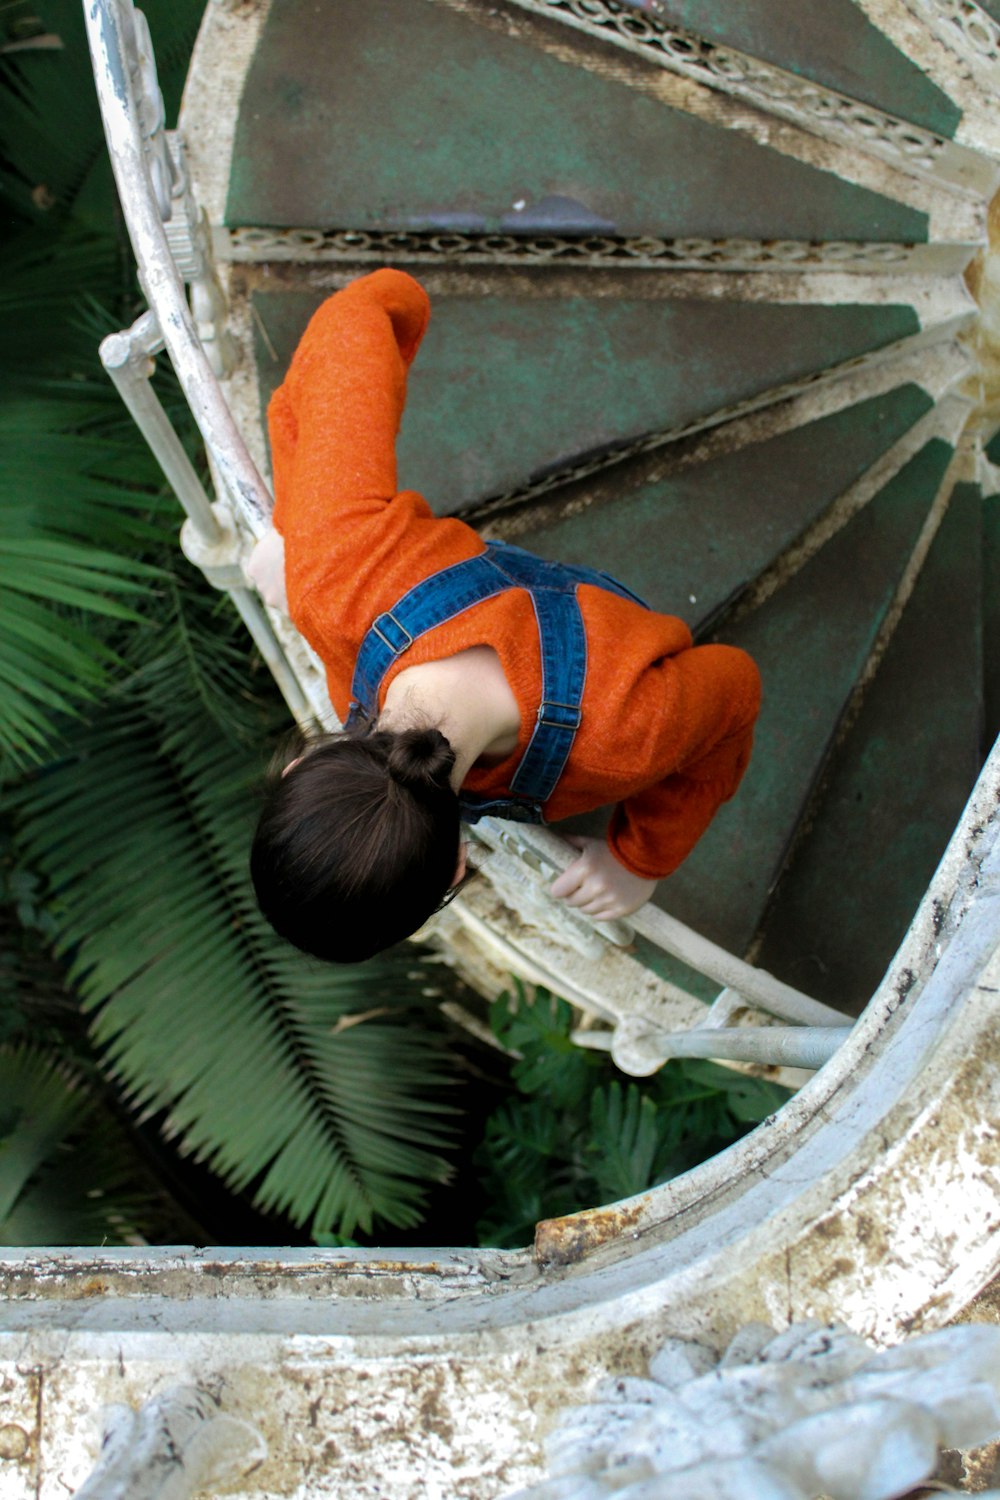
(115, 46)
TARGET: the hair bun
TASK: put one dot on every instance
(420, 759)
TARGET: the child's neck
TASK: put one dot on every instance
(466, 696)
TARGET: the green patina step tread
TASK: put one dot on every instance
(505, 387)
(406, 115)
(830, 41)
(674, 970)
(896, 788)
(690, 542)
(811, 640)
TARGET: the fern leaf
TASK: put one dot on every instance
(203, 1014)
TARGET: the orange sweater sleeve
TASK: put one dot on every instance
(708, 702)
(334, 420)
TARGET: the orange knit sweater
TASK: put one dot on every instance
(666, 726)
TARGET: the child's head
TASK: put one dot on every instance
(358, 843)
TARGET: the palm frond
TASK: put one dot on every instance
(42, 1103)
(80, 498)
(45, 275)
(195, 661)
(69, 534)
(51, 134)
(67, 1174)
(200, 1009)
(141, 828)
(625, 1147)
(58, 478)
(61, 573)
(49, 663)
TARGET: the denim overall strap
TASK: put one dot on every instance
(430, 602)
(562, 645)
(527, 570)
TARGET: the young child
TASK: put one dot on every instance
(463, 670)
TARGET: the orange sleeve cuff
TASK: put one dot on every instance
(333, 421)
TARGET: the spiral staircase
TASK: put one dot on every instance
(699, 313)
(715, 307)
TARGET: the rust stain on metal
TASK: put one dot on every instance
(93, 1286)
(843, 1266)
(563, 1242)
(974, 270)
(14, 1442)
(69, 1281)
(830, 1228)
(982, 277)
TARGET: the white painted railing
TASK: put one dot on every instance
(209, 536)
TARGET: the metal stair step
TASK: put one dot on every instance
(507, 387)
(410, 115)
(812, 640)
(619, 247)
(689, 542)
(829, 41)
(896, 787)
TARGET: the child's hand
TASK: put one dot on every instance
(598, 884)
(266, 569)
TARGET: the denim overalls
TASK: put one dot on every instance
(563, 644)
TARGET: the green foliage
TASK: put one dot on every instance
(66, 1176)
(68, 566)
(76, 490)
(575, 1136)
(52, 156)
(133, 724)
(49, 662)
(539, 1034)
(260, 1057)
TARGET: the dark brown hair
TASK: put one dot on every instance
(357, 844)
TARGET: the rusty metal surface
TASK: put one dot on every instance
(562, 1242)
(451, 128)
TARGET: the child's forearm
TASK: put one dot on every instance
(333, 422)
